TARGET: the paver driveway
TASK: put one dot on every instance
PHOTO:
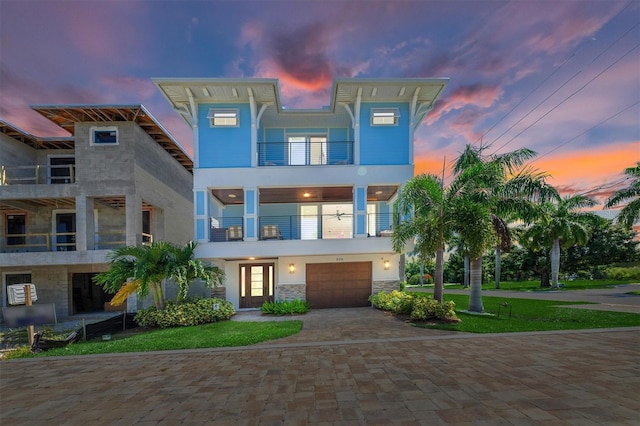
(347, 366)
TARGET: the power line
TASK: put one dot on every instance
(570, 96)
(555, 91)
(586, 131)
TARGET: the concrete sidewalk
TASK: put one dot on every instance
(601, 299)
(346, 367)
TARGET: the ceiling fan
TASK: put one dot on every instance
(338, 215)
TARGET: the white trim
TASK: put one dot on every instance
(224, 117)
(94, 129)
(385, 116)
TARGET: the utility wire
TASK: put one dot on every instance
(571, 95)
(586, 131)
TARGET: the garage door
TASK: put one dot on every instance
(338, 285)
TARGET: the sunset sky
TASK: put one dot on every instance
(560, 77)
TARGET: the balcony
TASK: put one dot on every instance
(305, 153)
(61, 241)
(53, 174)
(338, 226)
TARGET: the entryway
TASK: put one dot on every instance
(87, 296)
(256, 284)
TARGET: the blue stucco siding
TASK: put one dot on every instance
(224, 146)
(384, 145)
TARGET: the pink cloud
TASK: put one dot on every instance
(477, 95)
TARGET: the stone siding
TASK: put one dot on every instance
(385, 286)
(291, 292)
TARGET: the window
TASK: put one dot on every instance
(61, 169)
(307, 150)
(104, 135)
(384, 116)
(16, 225)
(224, 117)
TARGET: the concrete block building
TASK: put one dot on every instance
(118, 179)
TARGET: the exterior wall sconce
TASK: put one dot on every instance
(386, 265)
(292, 268)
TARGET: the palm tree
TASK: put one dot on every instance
(507, 193)
(630, 213)
(560, 224)
(435, 213)
(143, 268)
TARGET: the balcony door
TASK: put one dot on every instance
(64, 237)
(256, 284)
(61, 169)
(307, 150)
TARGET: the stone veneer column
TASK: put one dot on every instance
(291, 291)
(385, 286)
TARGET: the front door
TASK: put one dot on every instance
(256, 284)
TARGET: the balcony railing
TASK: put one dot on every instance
(15, 175)
(305, 153)
(62, 241)
(300, 227)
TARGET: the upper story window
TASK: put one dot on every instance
(104, 135)
(384, 116)
(224, 117)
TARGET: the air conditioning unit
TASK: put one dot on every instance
(17, 294)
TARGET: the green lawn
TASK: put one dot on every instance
(534, 285)
(215, 335)
(531, 315)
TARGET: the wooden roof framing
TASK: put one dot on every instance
(34, 141)
(66, 116)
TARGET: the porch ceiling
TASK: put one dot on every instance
(29, 204)
(34, 203)
(324, 194)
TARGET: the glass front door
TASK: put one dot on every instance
(256, 284)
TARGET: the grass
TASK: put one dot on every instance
(534, 285)
(531, 315)
(214, 335)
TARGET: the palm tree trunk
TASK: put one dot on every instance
(421, 271)
(475, 296)
(438, 288)
(158, 295)
(498, 268)
(466, 271)
(555, 262)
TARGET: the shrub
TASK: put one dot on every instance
(193, 312)
(623, 274)
(420, 308)
(286, 307)
(397, 302)
(425, 308)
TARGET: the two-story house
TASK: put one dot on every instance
(299, 204)
(118, 179)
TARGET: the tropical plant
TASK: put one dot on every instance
(560, 224)
(434, 213)
(143, 268)
(507, 192)
(631, 212)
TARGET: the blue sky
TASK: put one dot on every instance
(559, 77)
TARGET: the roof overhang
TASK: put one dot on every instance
(66, 116)
(182, 92)
(35, 142)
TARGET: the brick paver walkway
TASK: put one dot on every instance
(346, 367)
